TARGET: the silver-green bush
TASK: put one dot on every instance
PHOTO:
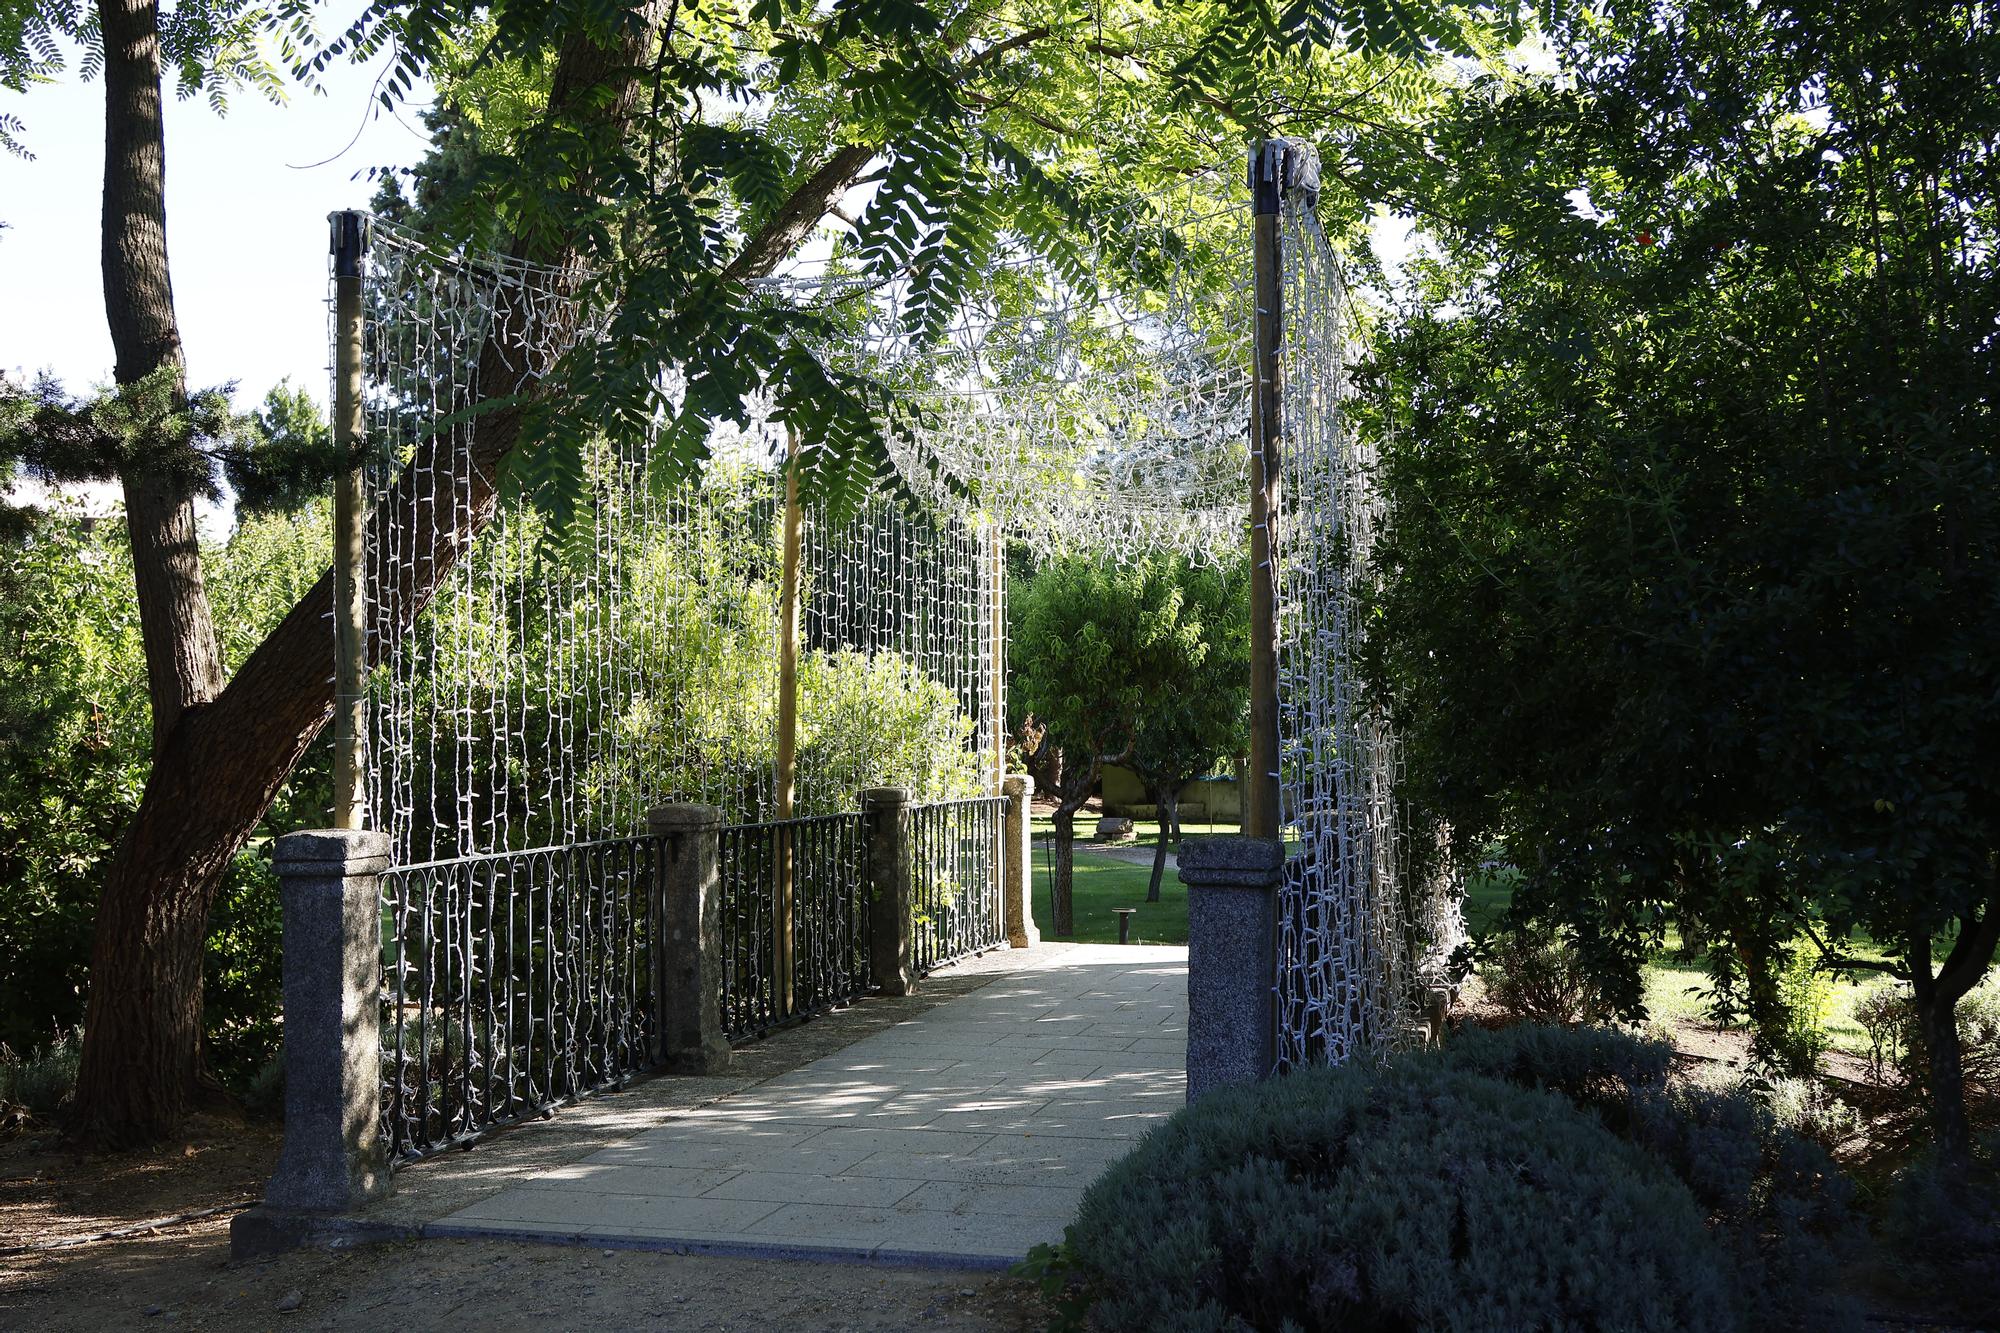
(43, 1078)
(1781, 1211)
(1415, 1197)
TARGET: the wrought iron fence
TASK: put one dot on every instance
(772, 974)
(955, 865)
(517, 981)
(512, 983)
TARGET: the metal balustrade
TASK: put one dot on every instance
(955, 863)
(513, 983)
(772, 976)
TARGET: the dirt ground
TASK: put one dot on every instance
(181, 1274)
(186, 1279)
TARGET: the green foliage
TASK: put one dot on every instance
(1538, 976)
(1094, 642)
(1807, 1107)
(989, 128)
(1416, 1196)
(879, 721)
(74, 746)
(73, 741)
(1593, 1066)
(1054, 1272)
(1782, 1213)
(1943, 1229)
(42, 1080)
(1896, 1053)
(1793, 1038)
(288, 459)
(243, 972)
(1688, 425)
(58, 436)
(1200, 715)
(211, 47)
(1779, 1207)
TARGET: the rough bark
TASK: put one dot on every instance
(141, 1064)
(1062, 877)
(1070, 798)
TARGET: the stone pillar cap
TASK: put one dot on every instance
(679, 816)
(1231, 860)
(1018, 782)
(887, 796)
(331, 850)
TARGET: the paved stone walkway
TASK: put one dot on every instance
(962, 1136)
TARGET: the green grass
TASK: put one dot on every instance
(1103, 884)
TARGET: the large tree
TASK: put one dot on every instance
(1093, 642)
(1693, 589)
(1199, 715)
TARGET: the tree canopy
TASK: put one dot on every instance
(1688, 426)
(1095, 645)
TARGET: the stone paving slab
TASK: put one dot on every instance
(962, 1135)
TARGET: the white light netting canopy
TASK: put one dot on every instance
(1095, 400)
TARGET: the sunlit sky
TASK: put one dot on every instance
(246, 228)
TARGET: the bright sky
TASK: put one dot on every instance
(246, 228)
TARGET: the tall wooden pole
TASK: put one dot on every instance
(996, 557)
(788, 722)
(1261, 814)
(350, 704)
(996, 609)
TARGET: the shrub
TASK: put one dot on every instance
(1896, 1060)
(1806, 1108)
(1539, 979)
(1417, 1197)
(1599, 1068)
(1782, 1210)
(1944, 1232)
(1792, 1038)
(43, 1079)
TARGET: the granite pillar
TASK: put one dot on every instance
(1232, 958)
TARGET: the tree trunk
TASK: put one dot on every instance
(222, 755)
(141, 1061)
(1166, 797)
(1937, 998)
(1937, 1023)
(1063, 877)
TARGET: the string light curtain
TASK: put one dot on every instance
(1091, 401)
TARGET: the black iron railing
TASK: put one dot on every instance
(771, 975)
(955, 866)
(517, 981)
(512, 983)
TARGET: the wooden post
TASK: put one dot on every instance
(996, 573)
(349, 242)
(1261, 815)
(788, 725)
(997, 687)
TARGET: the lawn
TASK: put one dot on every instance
(1103, 884)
